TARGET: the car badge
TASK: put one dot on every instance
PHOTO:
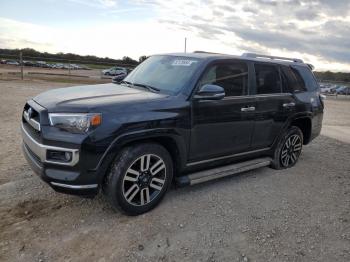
(30, 112)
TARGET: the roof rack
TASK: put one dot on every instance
(253, 55)
(205, 52)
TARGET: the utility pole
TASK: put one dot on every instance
(185, 43)
(21, 63)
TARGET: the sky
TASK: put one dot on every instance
(317, 31)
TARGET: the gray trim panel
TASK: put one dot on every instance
(40, 150)
(74, 186)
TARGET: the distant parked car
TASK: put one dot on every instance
(84, 67)
(337, 89)
(117, 79)
(343, 90)
(12, 62)
(28, 63)
(115, 71)
(2, 61)
(58, 66)
(41, 64)
(75, 66)
(326, 90)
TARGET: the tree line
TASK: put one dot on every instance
(333, 76)
(127, 61)
(29, 53)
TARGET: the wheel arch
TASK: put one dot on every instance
(305, 125)
(169, 139)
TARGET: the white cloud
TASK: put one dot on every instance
(108, 3)
(312, 30)
(97, 3)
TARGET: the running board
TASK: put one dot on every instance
(218, 172)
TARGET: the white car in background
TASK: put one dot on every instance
(12, 62)
(115, 71)
(328, 89)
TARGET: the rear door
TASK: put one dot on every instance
(274, 104)
(223, 127)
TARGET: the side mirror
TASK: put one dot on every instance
(210, 92)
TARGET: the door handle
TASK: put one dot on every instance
(291, 104)
(248, 109)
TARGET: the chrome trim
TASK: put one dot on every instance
(35, 124)
(256, 96)
(74, 186)
(40, 150)
(291, 104)
(225, 157)
(248, 109)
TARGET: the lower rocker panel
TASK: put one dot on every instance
(218, 172)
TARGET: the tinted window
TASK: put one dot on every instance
(233, 77)
(306, 77)
(291, 81)
(267, 79)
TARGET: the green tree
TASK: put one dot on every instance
(142, 58)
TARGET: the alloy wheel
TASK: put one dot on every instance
(144, 180)
(291, 150)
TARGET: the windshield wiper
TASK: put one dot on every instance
(150, 88)
(125, 82)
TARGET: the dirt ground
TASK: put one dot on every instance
(299, 214)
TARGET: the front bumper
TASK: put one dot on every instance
(41, 150)
(62, 177)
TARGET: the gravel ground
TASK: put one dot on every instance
(299, 214)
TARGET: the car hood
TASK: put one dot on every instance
(89, 97)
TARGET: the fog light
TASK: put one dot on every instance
(68, 156)
(61, 156)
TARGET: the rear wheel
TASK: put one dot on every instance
(139, 178)
(289, 148)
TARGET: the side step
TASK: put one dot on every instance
(218, 172)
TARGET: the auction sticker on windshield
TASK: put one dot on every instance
(183, 62)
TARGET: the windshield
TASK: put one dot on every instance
(169, 74)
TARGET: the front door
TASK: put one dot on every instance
(223, 127)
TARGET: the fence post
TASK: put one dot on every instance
(21, 63)
(69, 67)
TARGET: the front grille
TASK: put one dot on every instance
(32, 132)
(33, 155)
(32, 117)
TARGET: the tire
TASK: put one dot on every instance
(139, 178)
(288, 149)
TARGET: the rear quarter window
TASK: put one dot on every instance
(291, 81)
(305, 77)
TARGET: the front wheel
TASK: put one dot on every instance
(288, 149)
(139, 178)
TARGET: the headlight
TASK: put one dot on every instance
(75, 123)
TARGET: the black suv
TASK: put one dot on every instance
(186, 118)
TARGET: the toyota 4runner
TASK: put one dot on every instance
(187, 118)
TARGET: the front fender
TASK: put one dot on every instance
(141, 135)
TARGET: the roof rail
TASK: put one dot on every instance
(205, 52)
(253, 55)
